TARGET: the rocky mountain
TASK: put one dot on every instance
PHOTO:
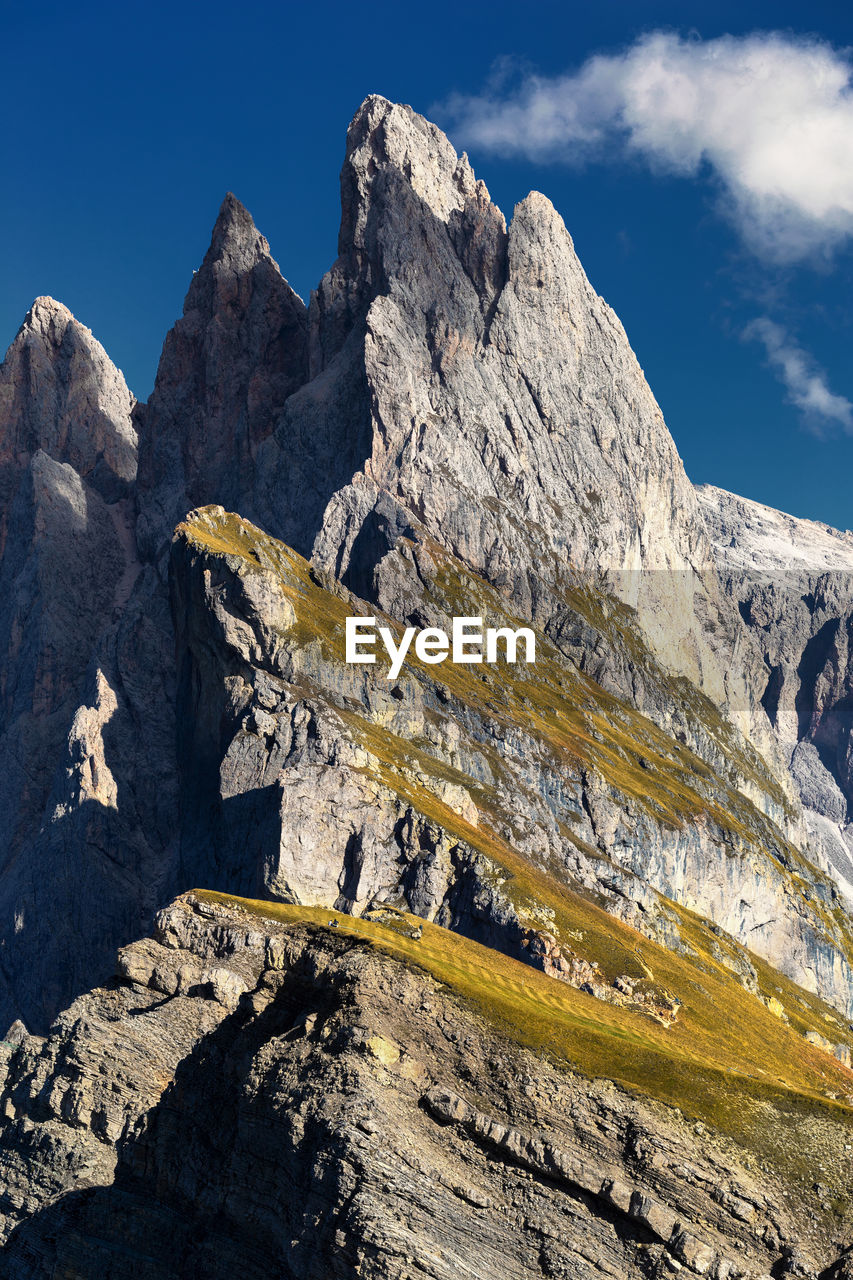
(555, 956)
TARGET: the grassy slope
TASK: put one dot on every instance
(727, 1061)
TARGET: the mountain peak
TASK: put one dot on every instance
(236, 248)
(373, 108)
(48, 320)
(47, 306)
(227, 367)
(234, 227)
(386, 136)
(60, 392)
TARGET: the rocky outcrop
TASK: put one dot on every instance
(300, 1100)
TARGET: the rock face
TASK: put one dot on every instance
(303, 1101)
(308, 780)
(793, 583)
(89, 682)
(69, 574)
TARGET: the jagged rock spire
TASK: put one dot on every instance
(235, 244)
(60, 392)
(228, 365)
(412, 215)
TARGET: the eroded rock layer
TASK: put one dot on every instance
(310, 780)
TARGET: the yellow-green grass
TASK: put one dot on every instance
(400, 764)
(458, 588)
(572, 718)
(727, 1061)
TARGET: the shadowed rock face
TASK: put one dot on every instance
(88, 684)
(228, 365)
(67, 461)
(81, 693)
(67, 457)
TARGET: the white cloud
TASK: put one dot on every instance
(769, 114)
(804, 381)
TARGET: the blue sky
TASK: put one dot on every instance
(125, 125)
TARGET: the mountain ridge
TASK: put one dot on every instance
(455, 422)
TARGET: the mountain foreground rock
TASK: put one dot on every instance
(514, 968)
(336, 1099)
